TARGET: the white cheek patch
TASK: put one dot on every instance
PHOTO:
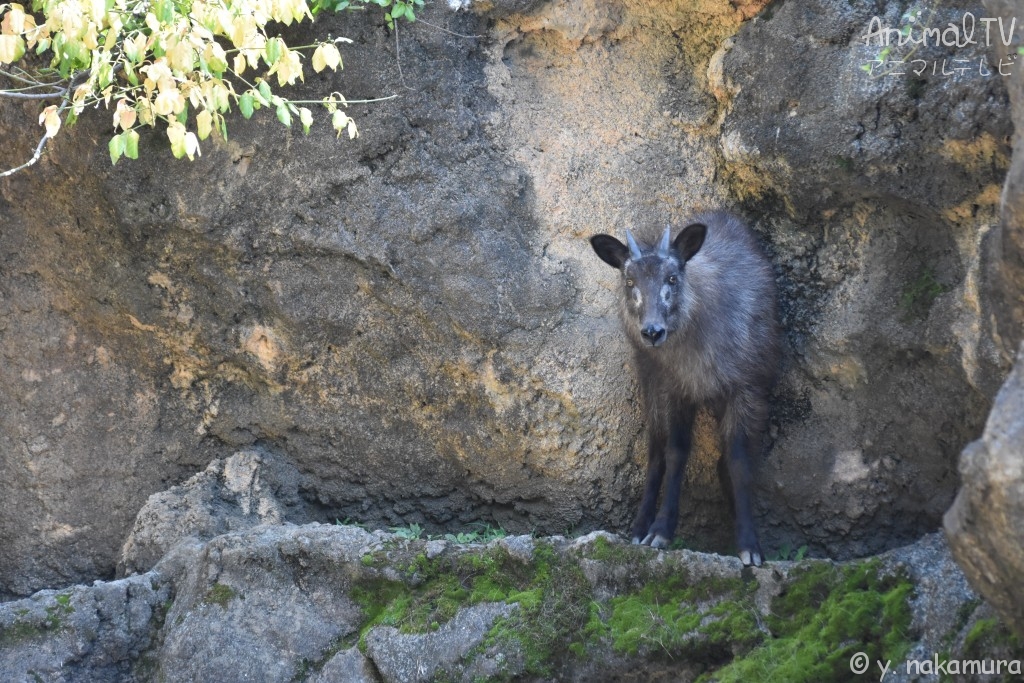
(666, 294)
(638, 298)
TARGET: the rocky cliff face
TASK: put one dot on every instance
(984, 524)
(413, 322)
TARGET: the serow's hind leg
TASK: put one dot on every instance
(737, 459)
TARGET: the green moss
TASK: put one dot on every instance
(919, 295)
(220, 594)
(705, 620)
(27, 627)
(554, 607)
(990, 639)
(19, 631)
(826, 614)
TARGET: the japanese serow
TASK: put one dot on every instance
(700, 313)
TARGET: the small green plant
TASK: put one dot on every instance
(484, 534)
(919, 295)
(393, 9)
(220, 594)
(787, 553)
(409, 533)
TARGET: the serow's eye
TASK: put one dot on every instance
(630, 283)
(672, 279)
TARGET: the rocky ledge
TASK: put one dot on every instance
(317, 602)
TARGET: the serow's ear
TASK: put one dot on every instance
(611, 251)
(690, 240)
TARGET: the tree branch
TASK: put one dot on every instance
(31, 96)
(42, 143)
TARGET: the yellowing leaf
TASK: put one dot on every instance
(113, 34)
(339, 120)
(204, 124)
(306, 119)
(90, 39)
(192, 146)
(51, 120)
(176, 134)
(14, 21)
(180, 57)
(12, 48)
(216, 58)
(146, 115)
(318, 62)
(326, 54)
(124, 115)
(169, 102)
(81, 92)
(242, 28)
(289, 68)
(97, 10)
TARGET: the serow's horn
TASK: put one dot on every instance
(634, 249)
(663, 247)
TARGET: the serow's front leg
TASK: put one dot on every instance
(737, 457)
(652, 486)
(661, 533)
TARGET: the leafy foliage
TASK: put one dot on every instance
(184, 63)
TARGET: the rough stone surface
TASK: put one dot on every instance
(349, 666)
(1006, 274)
(985, 526)
(412, 658)
(985, 522)
(83, 634)
(261, 603)
(274, 603)
(247, 489)
(414, 320)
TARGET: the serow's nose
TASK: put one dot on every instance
(653, 334)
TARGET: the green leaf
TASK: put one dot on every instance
(264, 89)
(273, 51)
(116, 146)
(131, 144)
(245, 104)
(283, 115)
(105, 75)
(409, 16)
(398, 10)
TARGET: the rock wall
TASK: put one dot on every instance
(414, 323)
(984, 524)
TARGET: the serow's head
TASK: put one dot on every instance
(654, 283)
